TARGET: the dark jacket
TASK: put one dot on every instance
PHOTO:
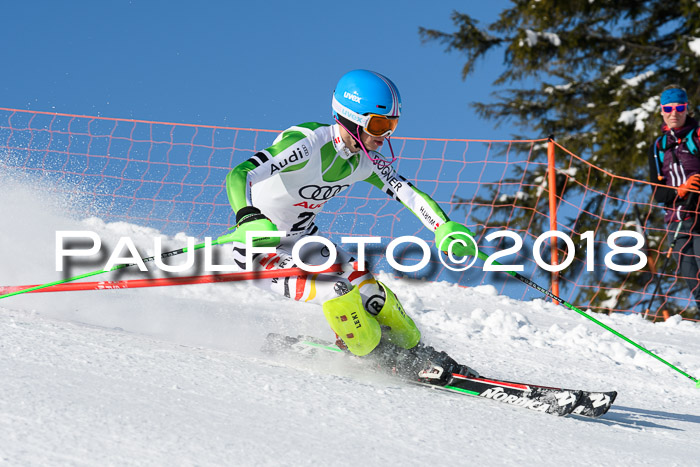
(677, 166)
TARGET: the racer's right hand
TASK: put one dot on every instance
(250, 219)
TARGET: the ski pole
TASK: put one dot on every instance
(658, 276)
(168, 281)
(100, 271)
(221, 240)
(532, 284)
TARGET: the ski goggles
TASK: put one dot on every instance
(380, 125)
(680, 108)
(373, 124)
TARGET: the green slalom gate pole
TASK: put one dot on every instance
(218, 241)
(535, 286)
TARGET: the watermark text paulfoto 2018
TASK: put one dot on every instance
(456, 263)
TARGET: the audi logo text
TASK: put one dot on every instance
(320, 193)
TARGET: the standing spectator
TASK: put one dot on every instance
(674, 160)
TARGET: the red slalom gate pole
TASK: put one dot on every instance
(169, 281)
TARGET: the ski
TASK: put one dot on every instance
(552, 400)
(535, 397)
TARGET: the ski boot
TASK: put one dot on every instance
(420, 363)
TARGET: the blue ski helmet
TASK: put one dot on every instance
(363, 92)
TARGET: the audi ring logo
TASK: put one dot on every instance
(321, 193)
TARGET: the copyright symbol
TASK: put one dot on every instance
(461, 238)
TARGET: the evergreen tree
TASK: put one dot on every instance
(588, 72)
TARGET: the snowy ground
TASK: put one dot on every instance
(174, 375)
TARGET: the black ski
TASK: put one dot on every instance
(557, 401)
(535, 397)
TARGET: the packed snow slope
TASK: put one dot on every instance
(174, 375)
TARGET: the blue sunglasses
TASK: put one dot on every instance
(680, 108)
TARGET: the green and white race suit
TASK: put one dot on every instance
(306, 166)
(290, 182)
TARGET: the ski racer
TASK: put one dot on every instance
(284, 187)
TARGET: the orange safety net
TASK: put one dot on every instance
(171, 176)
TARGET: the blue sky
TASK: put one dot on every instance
(243, 64)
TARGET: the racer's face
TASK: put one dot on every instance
(372, 143)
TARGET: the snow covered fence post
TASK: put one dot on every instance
(532, 284)
(552, 182)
